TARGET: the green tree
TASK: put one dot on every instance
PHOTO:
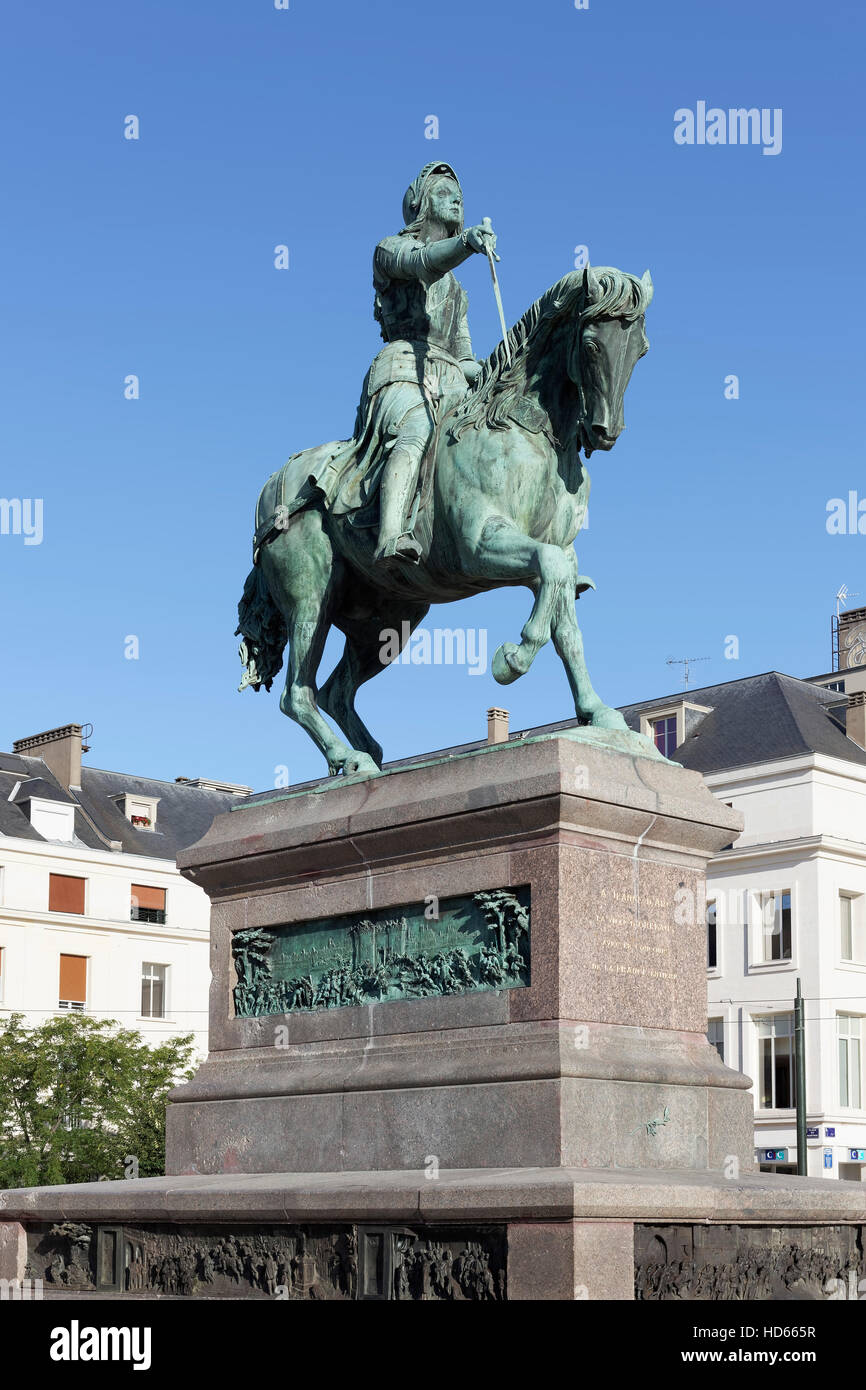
(79, 1096)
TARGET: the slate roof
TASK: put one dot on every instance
(183, 814)
(754, 719)
(758, 719)
(46, 791)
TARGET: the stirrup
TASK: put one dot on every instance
(402, 547)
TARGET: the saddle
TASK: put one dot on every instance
(343, 478)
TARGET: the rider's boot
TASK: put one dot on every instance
(395, 492)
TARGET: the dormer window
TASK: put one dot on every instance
(52, 820)
(49, 810)
(140, 811)
(665, 735)
(670, 725)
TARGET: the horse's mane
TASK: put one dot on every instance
(500, 386)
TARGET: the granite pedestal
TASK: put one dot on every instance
(457, 1050)
(579, 1066)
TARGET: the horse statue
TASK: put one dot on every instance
(503, 495)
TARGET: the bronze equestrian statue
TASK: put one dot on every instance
(460, 477)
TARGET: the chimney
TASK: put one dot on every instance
(855, 717)
(852, 639)
(497, 726)
(59, 749)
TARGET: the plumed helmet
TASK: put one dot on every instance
(415, 192)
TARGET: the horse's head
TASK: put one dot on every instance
(586, 329)
(609, 340)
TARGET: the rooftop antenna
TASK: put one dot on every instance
(685, 662)
(842, 597)
(86, 736)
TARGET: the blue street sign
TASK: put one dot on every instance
(813, 1133)
(829, 1131)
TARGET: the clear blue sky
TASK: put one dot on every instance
(303, 127)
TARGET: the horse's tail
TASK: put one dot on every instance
(262, 627)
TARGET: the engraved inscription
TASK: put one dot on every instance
(637, 934)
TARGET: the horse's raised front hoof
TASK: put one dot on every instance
(359, 764)
(508, 663)
(606, 718)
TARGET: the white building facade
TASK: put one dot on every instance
(787, 901)
(94, 915)
(150, 975)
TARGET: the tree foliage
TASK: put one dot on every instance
(81, 1097)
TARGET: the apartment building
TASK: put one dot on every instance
(93, 913)
(788, 899)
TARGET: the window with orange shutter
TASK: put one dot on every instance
(73, 982)
(147, 904)
(65, 894)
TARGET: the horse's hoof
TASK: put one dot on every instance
(607, 718)
(360, 764)
(507, 665)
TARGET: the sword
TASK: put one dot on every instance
(491, 256)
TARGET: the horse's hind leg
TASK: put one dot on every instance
(371, 643)
(298, 568)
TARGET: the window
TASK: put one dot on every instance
(846, 914)
(776, 1061)
(2, 961)
(147, 904)
(712, 942)
(65, 894)
(716, 1035)
(665, 734)
(776, 925)
(851, 929)
(153, 990)
(850, 1066)
(140, 811)
(73, 982)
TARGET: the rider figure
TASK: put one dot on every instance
(421, 309)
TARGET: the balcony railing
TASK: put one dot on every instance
(148, 914)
